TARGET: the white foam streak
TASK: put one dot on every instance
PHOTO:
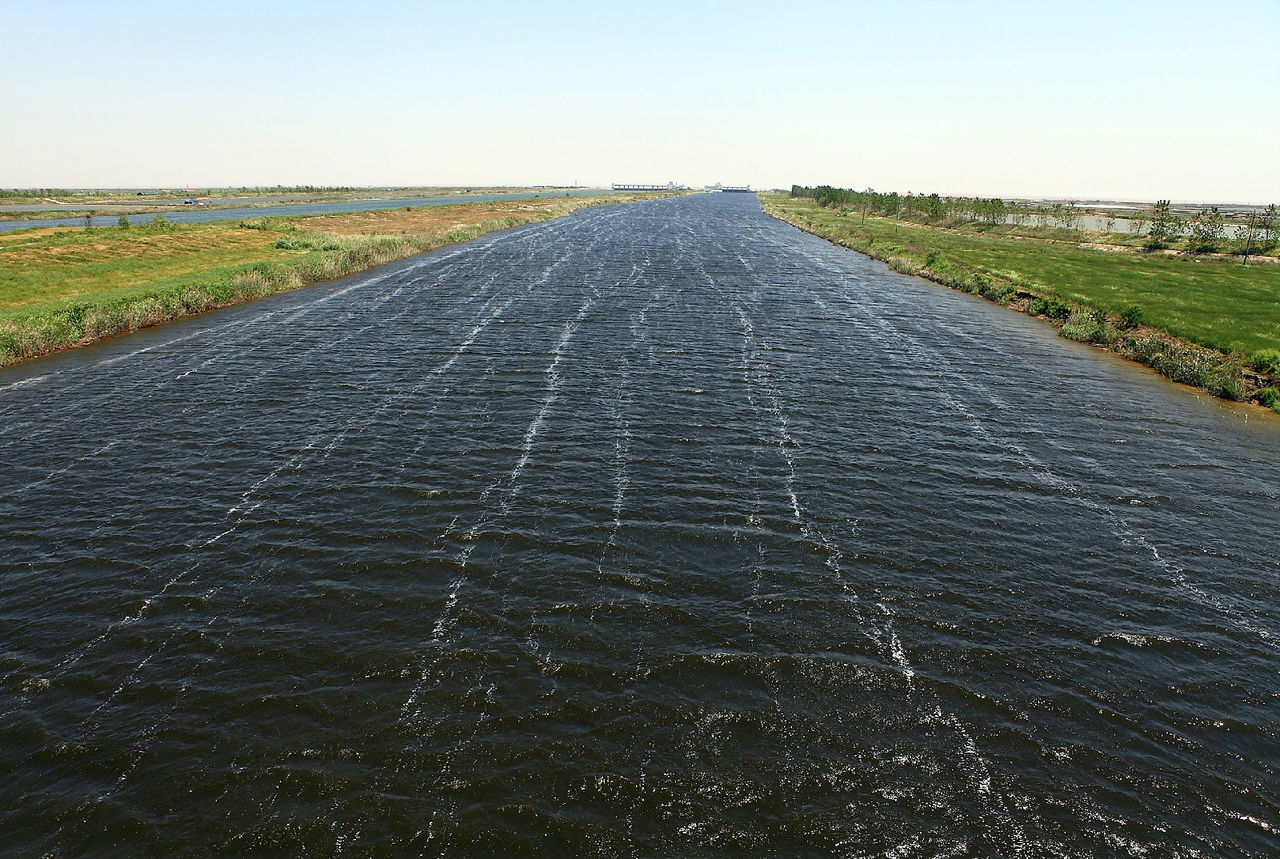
(761, 379)
(551, 390)
(1118, 525)
(506, 485)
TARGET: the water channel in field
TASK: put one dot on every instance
(197, 215)
(657, 530)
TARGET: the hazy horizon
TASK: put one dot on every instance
(400, 186)
(1063, 101)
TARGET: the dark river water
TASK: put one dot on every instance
(658, 530)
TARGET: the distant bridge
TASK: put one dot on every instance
(736, 189)
(617, 187)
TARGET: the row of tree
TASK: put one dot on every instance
(10, 193)
(295, 189)
(1205, 233)
(933, 208)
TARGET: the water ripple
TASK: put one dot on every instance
(657, 530)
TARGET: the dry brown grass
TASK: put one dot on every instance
(425, 220)
(433, 220)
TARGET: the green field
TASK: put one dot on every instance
(1216, 303)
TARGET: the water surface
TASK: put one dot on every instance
(660, 530)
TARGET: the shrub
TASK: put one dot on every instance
(123, 222)
(1131, 317)
(1089, 326)
(159, 224)
(1054, 308)
(1267, 361)
(1270, 397)
(1001, 292)
(1207, 232)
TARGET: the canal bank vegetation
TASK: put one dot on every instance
(65, 287)
(1160, 227)
(1203, 320)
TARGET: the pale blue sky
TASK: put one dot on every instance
(1083, 99)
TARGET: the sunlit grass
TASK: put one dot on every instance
(64, 264)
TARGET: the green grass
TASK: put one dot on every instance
(1096, 294)
(1216, 303)
(50, 266)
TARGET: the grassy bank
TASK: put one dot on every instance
(65, 287)
(1207, 322)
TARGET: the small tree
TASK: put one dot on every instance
(1131, 317)
(1207, 232)
(1165, 226)
(1070, 216)
(1269, 227)
(997, 211)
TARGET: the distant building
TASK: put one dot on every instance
(670, 186)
